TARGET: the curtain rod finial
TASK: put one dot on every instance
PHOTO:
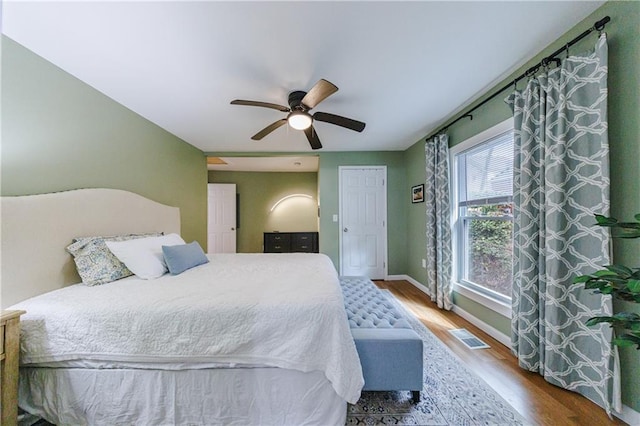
(599, 26)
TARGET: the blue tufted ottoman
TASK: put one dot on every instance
(390, 351)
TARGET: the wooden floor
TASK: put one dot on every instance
(536, 400)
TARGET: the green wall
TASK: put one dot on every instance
(259, 192)
(415, 163)
(623, 34)
(398, 200)
(58, 133)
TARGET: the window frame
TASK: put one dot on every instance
(486, 297)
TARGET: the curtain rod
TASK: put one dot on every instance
(598, 26)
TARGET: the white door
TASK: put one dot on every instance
(363, 217)
(221, 218)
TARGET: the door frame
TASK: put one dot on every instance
(233, 203)
(385, 260)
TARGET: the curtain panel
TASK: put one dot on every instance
(561, 179)
(436, 193)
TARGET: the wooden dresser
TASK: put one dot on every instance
(10, 347)
(291, 242)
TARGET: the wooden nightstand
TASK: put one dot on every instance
(9, 353)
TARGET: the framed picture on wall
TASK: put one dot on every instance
(417, 193)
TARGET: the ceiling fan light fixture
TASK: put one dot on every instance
(299, 120)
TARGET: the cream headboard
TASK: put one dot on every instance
(37, 228)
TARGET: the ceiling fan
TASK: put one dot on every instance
(300, 103)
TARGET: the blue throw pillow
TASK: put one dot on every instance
(182, 257)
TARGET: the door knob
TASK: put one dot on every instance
(233, 229)
(346, 229)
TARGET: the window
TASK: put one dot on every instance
(483, 216)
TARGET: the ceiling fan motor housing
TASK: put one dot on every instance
(295, 100)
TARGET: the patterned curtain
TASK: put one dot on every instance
(561, 178)
(436, 193)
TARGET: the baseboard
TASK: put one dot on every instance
(628, 415)
(416, 283)
(491, 331)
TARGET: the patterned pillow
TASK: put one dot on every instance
(94, 261)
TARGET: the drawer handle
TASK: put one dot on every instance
(277, 247)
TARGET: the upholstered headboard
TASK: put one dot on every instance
(37, 228)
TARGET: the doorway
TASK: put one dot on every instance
(363, 221)
(221, 218)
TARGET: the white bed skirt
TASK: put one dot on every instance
(239, 396)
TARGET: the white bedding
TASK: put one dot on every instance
(237, 396)
(274, 310)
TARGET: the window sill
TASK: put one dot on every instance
(497, 306)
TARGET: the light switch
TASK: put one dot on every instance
(335, 217)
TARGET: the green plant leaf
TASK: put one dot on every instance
(620, 281)
(632, 225)
(619, 269)
(626, 316)
(628, 320)
(627, 340)
(598, 320)
(628, 225)
(605, 221)
(634, 286)
(604, 273)
(627, 233)
(622, 342)
(594, 284)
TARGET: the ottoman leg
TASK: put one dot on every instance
(416, 396)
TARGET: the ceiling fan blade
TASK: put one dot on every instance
(338, 120)
(260, 104)
(321, 91)
(312, 136)
(270, 128)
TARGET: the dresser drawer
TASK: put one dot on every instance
(304, 242)
(277, 242)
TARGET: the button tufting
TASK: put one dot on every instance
(367, 307)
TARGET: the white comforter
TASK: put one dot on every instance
(276, 310)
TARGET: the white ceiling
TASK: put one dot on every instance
(401, 67)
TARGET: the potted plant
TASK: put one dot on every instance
(619, 281)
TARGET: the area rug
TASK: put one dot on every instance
(452, 394)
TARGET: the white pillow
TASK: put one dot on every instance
(143, 256)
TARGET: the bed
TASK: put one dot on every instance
(240, 339)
